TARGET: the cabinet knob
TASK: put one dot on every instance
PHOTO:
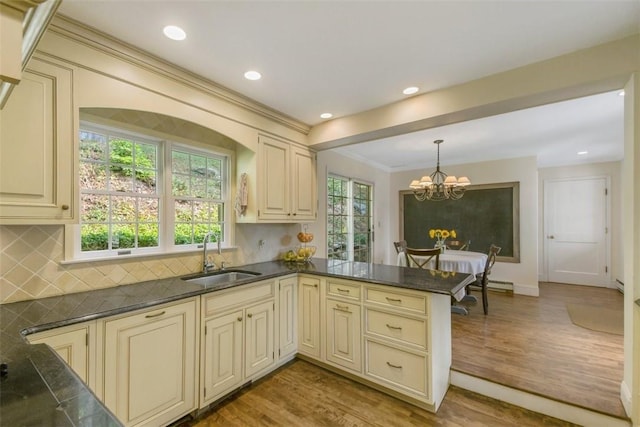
(249, 315)
(294, 214)
(65, 207)
(239, 318)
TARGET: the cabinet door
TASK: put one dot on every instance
(309, 317)
(149, 365)
(259, 333)
(343, 334)
(303, 185)
(222, 356)
(288, 317)
(72, 343)
(37, 142)
(273, 163)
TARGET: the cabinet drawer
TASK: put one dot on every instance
(414, 303)
(344, 290)
(401, 328)
(399, 369)
(217, 302)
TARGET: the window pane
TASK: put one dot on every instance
(201, 211)
(147, 235)
(123, 236)
(180, 162)
(95, 208)
(146, 156)
(180, 185)
(93, 146)
(123, 209)
(148, 209)
(93, 176)
(199, 187)
(145, 182)
(183, 234)
(94, 237)
(183, 211)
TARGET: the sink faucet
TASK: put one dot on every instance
(206, 265)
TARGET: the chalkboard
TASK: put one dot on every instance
(486, 214)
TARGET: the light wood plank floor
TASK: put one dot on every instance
(531, 344)
(302, 394)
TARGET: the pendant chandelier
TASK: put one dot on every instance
(439, 186)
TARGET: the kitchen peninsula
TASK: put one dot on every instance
(39, 386)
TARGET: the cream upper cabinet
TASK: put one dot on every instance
(37, 148)
(149, 370)
(286, 182)
(75, 345)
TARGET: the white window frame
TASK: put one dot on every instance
(72, 250)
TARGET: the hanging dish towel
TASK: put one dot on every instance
(242, 198)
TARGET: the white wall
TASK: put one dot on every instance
(524, 274)
(608, 169)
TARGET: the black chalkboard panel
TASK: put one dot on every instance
(486, 214)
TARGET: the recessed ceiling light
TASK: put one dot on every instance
(410, 90)
(582, 153)
(174, 33)
(326, 115)
(252, 75)
(621, 93)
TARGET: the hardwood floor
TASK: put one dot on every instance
(527, 343)
(531, 344)
(302, 394)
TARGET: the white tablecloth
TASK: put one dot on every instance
(459, 261)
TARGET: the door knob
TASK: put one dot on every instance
(551, 237)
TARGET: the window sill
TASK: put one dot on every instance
(142, 255)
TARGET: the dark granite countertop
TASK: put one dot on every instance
(40, 389)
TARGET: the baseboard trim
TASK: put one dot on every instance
(536, 403)
(529, 290)
(625, 397)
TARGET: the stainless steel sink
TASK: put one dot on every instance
(221, 277)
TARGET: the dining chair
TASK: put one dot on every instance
(422, 257)
(400, 246)
(482, 279)
(459, 245)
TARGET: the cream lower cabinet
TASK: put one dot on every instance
(238, 338)
(75, 345)
(309, 316)
(149, 367)
(405, 350)
(287, 317)
(343, 336)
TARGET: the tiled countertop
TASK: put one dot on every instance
(40, 389)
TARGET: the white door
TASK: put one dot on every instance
(576, 231)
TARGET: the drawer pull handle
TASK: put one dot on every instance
(150, 316)
(394, 366)
(343, 290)
(394, 299)
(249, 315)
(343, 307)
(394, 327)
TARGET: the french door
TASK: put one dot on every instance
(349, 219)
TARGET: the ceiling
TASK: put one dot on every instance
(346, 57)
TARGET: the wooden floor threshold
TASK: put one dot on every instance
(536, 402)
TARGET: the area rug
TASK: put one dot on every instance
(597, 318)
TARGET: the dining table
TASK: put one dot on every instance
(455, 261)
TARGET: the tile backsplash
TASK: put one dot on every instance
(30, 260)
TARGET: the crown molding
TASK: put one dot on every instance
(114, 47)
